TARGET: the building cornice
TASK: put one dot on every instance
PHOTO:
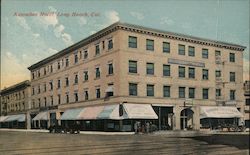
(16, 87)
(141, 30)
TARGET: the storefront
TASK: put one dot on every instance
(13, 121)
(41, 120)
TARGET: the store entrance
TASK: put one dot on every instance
(187, 119)
(165, 117)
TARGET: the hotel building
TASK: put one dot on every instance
(126, 73)
(247, 103)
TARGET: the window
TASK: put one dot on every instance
(218, 92)
(191, 51)
(51, 100)
(76, 58)
(45, 101)
(110, 44)
(44, 71)
(38, 90)
(86, 94)
(205, 74)
(51, 68)
(33, 75)
(132, 42)
(97, 50)
(110, 92)
(191, 72)
(39, 102)
(205, 93)
(166, 91)
(86, 76)
(110, 68)
(58, 65)
(76, 96)
(132, 66)
(97, 72)
(33, 91)
(181, 92)
(181, 71)
(150, 68)
(38, 73)
(44, 87)
(232, 76)
(150, 90)
(67, 81)
(232, 57)
(80, 54)
(191, 93)
(205, 53)
(59, 99)
(103, 44)
(150, 44)
(166, 47)
(133, 89)
(232, 94)
(58, 84)
(85, 54)
(76, 78)
(166, 70)
(181, 49)
(98, 93)
(217, 53)
(217, 73)
(67, 97)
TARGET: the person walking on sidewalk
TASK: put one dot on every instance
(136, 127)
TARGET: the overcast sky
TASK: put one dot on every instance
(29, 39)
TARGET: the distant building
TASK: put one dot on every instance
(247, 103)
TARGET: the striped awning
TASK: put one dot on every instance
(19, 118)
(71, 114)
(41, 116)
(110, 112)
(90, 113)
(139, 111)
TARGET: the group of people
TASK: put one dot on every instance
(147, 127)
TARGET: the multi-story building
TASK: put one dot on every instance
(15, 102)
(247, 103)
(180, 77)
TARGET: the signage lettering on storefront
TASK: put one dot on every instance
(188, 63)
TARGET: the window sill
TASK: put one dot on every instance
(75, 84)
(150, 75)
(85, 81)
(97, 78)
(167, 76)
(109, 75)
(133, 73)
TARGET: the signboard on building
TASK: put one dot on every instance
(187, 63)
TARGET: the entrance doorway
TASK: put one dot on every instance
(165, 117)
(187, 119)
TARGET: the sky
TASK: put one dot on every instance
(26, 40)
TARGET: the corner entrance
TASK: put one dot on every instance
(187, 119)
(165, 117)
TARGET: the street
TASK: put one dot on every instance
(71, 144)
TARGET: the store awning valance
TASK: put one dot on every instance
(2, 118)
(19, 118)
(139, 111)
(90, 113)
(219, 112)
(41, 116)
(71, 114)
(110, 112)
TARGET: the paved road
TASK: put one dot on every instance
(68, 144)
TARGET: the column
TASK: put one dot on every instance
(176, 118)
(28, 120)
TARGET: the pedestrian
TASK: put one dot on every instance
(136, 127)
(150, 127)
(147, 127)
(143, 128)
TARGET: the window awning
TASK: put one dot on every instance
(139, 111)
(19, 118)
(71, 114)
(219, 112)
(41, 116)
(110, 112)
(2, 118)
(90, 113)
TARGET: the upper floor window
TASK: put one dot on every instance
(51, 68)
(44, 87)
(166, 70)
(232, 76)
(166, 47)
(166, 91)
(98, 93)
(59, 99)
(191, 72)
(205, 74)
(132, 42)
(38, 72)
(205, 93)
(181, 71)
(58, 84)
(133, 89)
(218, 92)
(217, 73)
(205, 53)
(191, 93)
(181, 92)
(150, 90)
(217, 53)
(110, 69)
(232, 57)
(132, 66)
(44, 71)
(97, 72)
(76, 58)
(51, 85)
(97, 49)
(39, 89)
(67, 81)
(33, 75)
(85, 54)
(67, 97)
(232, 94)
(191, 51)
(86, 76)
(150, 44)
(181, 49)
(110, 44)
(76, 78)
(51, 100)
(33, 91)
(58, 65)
(86, 95)
(150, 68)
(76, 97)
(45, 101)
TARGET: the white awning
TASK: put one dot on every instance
(162, 105)
(110, 112)
(72, 114)
(41, 116)
(139, 111)
(2, 118)
(19, 118)
(219, 112)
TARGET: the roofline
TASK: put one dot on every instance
(138, 29)
(13, 88)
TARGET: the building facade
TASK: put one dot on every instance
(15, 102)
(247, 103)
(176, 74)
